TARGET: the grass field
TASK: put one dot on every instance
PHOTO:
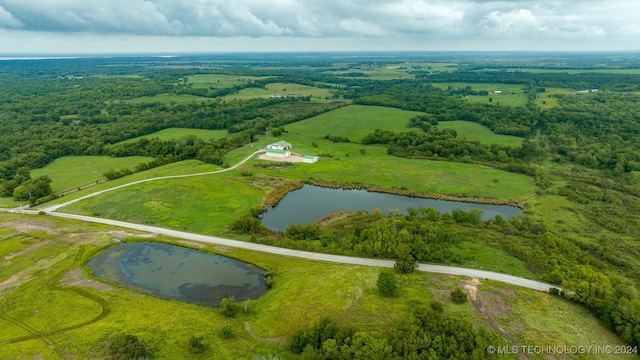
(70, 172)
(281, 89)
(354, 122)
(178, 133)
(511, 94)
(179, 168)
(219, 81)
(476, 132)
(304, 291)
(168, 99)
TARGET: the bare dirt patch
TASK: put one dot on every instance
(77, 277)
(22, 226)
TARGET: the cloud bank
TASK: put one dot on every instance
(416, 23)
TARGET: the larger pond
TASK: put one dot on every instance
(174, 272)
(311, 203)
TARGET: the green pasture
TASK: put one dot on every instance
(511, 94)
(8, 202)
(70, 172)
(179, 168)
(179, 133)
(284, 90)
(168, 99)
(206, 204)
(219, 81)
(547, 99)
(476, 132)
(353, 121)
(304, 291)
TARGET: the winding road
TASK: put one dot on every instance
(474, 273)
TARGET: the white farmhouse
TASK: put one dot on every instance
(279, 149)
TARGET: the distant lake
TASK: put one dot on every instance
(174, 272)
(311, 203)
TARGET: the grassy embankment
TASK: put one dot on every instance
(55, 249)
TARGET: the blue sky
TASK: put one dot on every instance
(172, 26)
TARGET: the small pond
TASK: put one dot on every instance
(311, 203)
(174, 272)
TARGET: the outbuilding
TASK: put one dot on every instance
(310, 159)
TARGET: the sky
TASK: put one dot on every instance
(187, 26)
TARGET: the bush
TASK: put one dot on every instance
(227, 332)
(387, 284)
(458, 296)
(228, 307)
(196, 346)
(127, 346)
(405, 264)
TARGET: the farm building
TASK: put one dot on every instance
(278, 153)
(280, 145)
(310, 159)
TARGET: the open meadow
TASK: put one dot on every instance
(219, 81)
(64, 313)
(283, 90)
(476, 132)
(71, 172)
(179, 133)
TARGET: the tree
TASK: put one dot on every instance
(387, 284)
(196, 346)
(458, 296)
(127, 347)
(405, 264)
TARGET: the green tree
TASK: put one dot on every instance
(387, 283)
(458, 296)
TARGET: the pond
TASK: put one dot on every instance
(174, 272)
(311, 203)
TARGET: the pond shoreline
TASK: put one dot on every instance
(276, 195)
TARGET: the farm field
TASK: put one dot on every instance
(179, 133)
(168, 99)
(476, 132)
(220, 81)
(71, 172)
(511, 94)
(303, 292)
(281, 89)
(353, 122)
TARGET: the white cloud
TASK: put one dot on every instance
(404, 24)
(7, 20)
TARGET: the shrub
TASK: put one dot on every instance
(458, 296)
(228, 307)
(387, 284)
(127, 346)
(227, 332)
(196, 346)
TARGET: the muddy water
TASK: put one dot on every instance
(174, 272)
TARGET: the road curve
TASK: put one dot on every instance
(450, 270)
(55, 207)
